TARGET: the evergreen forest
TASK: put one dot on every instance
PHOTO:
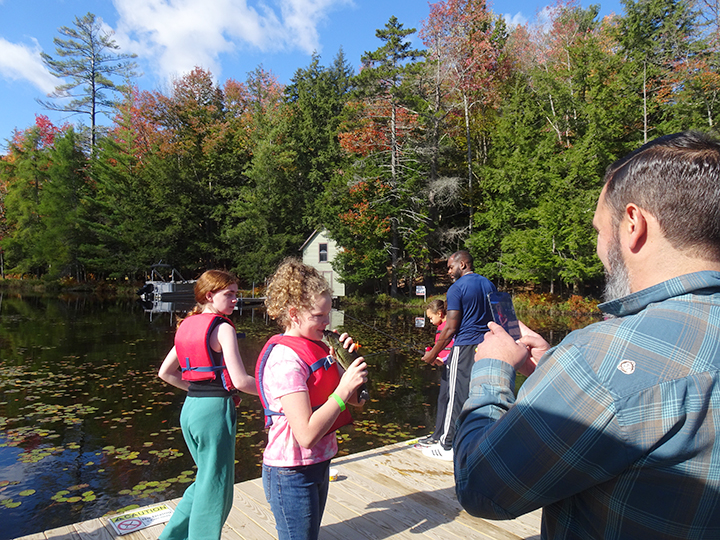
(486, 138)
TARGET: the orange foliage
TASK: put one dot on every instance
(361, 215)
(370, 133)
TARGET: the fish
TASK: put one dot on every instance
(345, 358)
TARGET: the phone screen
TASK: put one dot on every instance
(504, 313)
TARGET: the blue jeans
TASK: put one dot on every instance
(297, 497)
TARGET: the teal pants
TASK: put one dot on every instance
(208, 425)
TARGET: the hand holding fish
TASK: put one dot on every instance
(355, 378)
(345, 350)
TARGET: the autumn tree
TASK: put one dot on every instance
(197, 182)
(383, 83)
(126, 207)
(692, 95)
(48, 202)
(466, 41)
(88, 60)
(168, 173)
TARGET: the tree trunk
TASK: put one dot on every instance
(395, 246)
(466, 106)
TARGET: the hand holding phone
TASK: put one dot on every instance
(504, 313)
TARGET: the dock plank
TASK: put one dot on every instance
(424, 474)
(398, 514)
(251, 516)
(66, 532)
(95, 529)
(433, 501)
(388, 493)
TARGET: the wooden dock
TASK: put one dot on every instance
(389, 492)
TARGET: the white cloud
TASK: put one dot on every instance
(21, 62)
(302, 18)
(180, 34)
(514, 20)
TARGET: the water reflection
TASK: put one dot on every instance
(86, 427)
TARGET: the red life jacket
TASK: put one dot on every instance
(198, 361)
(323, 380)
(442, 355)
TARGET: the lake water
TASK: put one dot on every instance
(87, 429)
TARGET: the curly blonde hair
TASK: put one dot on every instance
(293, 284)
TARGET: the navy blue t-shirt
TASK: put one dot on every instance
(468, 295)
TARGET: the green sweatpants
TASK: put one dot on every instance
(208, 425)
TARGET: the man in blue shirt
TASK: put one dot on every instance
(614, 434)
(468, 314)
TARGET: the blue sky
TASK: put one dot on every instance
(228, 37)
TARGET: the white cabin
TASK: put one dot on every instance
(318, 251)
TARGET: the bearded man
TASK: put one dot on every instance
(614, 432)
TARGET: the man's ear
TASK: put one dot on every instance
(635, 227)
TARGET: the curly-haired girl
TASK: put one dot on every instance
(304, 393)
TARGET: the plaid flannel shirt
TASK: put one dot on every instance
(615, 433)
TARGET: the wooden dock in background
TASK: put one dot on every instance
(389, 492)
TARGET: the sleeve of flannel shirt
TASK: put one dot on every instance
(560, 436)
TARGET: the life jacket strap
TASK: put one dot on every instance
(269, 413)
(322, 363)
(188, 367)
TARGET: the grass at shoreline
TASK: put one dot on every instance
(105, 288)
(526, 303)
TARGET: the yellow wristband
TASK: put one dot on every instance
(339, 400)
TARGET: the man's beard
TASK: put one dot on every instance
(617, 280)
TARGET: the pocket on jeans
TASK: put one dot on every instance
(287, 471)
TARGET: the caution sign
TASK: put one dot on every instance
(139, 519)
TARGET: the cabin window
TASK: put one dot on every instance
(323, 252)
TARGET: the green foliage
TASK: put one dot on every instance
(66, 210)
(24, 176)
(494, 140)
(316, 98)
(380, 195)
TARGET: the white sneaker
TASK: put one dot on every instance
(438, 452)
(421, 446)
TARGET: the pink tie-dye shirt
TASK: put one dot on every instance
(285, 373)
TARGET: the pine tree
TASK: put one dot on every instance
(655, 37)
(65, 211)
(316, 97)
(88, 58)
(384, 80)
(24, 175)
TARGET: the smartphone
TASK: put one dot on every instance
(504, 313)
